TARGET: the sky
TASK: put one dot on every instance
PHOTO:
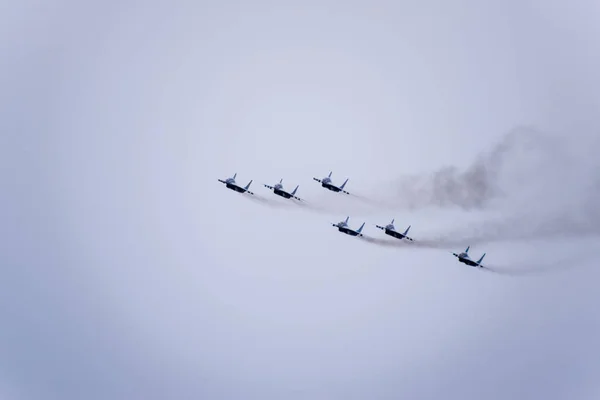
(130, 272)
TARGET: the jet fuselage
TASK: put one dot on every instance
(468, 262)
(395, 234)
(235, 187)
(282, 193)
(347, 231)
(331, 187)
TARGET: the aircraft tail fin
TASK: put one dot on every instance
(347, 218)
(281, 181)
(392, 223)
(467, 250)
(234, 175)
(294, 192)
(330, 172)
(344, 184)
(406, 231)
(361, 228)
(481, 259)
(248, 185)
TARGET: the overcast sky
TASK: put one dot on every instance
(130, 272)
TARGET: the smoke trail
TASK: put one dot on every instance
(292, 203)
(514, 269)
(519, 269)
(384, 242)
(525, 270)
(536, 188)
(378, 204)
(257, 198)
(520, 155)
(313, 207)
(527, 225)
(540, 186)
(417, 244)
(336, 204)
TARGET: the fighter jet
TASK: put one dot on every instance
(391, 230)
(279, 191)
(343, 227)
(230, 183)
(327, 184)
(465, 259)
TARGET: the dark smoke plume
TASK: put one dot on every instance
(537, 186)
(522, 151)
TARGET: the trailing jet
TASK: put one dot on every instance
(391, 230)
(230, 183)
(343, 227)
(465, 259)
(327, 184)
(279, 191)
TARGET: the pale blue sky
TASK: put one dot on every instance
(129, 272)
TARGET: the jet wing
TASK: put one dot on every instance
(269, 187)
(221, 180)
(381, 227)
(316, 179)
(409, 238)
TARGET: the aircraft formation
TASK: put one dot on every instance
(343, 226)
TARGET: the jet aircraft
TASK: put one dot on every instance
(344, 228)
(465, 259)
(391, 230)
(230, 183)
(279, 191)
(327, 184)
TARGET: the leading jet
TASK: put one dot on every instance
(389, 229)
(465, 259)
(344, 228)
(279, 191)
(327, 184)
(230, 184)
